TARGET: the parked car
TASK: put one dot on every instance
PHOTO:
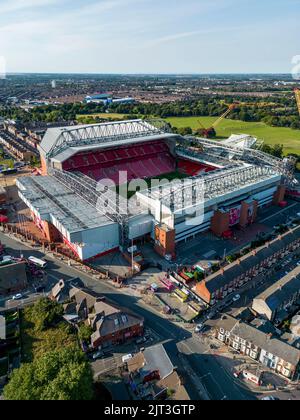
(19, 164)
(39, 289)
(236, 298)
(141, 340)
(199, 328)
(18, 296)
(98, 355)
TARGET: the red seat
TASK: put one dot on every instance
(146, 160)
(193, 168)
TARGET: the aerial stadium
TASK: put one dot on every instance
(215, 186)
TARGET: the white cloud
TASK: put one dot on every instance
(15, 5)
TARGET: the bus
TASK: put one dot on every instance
(38, 262)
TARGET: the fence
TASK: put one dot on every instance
(56, 249)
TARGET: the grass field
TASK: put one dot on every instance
(271, 135)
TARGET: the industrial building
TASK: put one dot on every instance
(107, 99)
(221, 185)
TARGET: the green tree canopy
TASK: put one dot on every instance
(45, 312)
(85, 332)
(60, 375)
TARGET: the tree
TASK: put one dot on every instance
(231, 258)
(45, 312)
(35, 161)
(85, 332)
(278, 150)
(59, 375)
(184, 131)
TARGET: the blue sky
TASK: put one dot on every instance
(149, 36)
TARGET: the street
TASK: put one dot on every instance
(178, 341)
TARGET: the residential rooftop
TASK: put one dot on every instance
(260, 339)
(282, 290)
(245, 263)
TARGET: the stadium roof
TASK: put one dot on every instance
(51, 199)
(222, 183)
(58, 140)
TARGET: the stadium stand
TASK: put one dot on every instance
(142, 161)
(191, 168)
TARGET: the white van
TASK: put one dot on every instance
(126, 358)
(38, 262)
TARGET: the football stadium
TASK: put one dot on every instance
(215, 186)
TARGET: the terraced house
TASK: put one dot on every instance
(222, 283)
(278, 301)
(264, 348)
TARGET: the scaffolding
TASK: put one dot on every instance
(193, 191)
(109, 132)
(286, 167)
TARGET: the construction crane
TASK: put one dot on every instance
(297, 94)
(211, 131)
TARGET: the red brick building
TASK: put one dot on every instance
(111, 324)
(114, 325)
(224, 282)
